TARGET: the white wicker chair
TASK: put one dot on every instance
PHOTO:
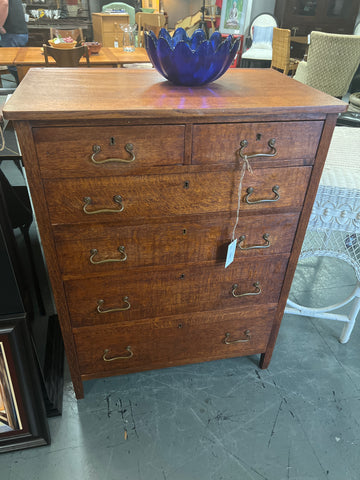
(334, 226)
(261, 47)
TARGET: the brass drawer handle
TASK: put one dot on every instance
(266, 245)
(237, 295)
(117, 199)
(271, 143)
(94, 252)
(129, 147)
(241, 340)
(106, 351)
(250, 191)
(126, 306)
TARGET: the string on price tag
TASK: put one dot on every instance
(232, 246)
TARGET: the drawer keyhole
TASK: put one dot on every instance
(112, 141)
(186, 184)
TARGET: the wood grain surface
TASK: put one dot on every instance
(115, 93)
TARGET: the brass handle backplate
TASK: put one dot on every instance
(129, 147)
(250, 191)
(245, 143)
(117, 199)
(107, 359)
(241, 340)
(94, 252)
(237, 295)
(126, 306)
(252, 247)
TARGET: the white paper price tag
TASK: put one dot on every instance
(231, 253)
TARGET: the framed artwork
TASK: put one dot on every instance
(233, 16)
(151, 4)
(23, 422)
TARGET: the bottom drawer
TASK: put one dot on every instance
(163, 342)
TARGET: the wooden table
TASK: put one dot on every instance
(26, 57)
(139, 56)
(8, 55)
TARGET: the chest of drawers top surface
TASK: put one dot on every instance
(65, 94)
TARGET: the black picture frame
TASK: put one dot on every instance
(29, 421)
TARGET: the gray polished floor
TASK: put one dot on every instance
(222, 420)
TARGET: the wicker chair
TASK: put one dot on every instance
(331, 62)
(261, 31)
(334, 230)
(148, 21)
(281, 59)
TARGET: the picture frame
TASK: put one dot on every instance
(23, 410)
(151, 4)
(233, 16)
(23, 417)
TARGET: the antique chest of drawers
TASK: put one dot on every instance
(139, 187)
(107, 28)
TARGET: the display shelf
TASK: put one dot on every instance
(302, 16)
(62, 14)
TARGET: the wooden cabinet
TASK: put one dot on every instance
(136, 197)
(107, 28)
(303, 16)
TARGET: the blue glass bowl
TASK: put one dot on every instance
(190, 61)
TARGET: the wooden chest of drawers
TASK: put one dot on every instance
(107, 28)
(136, 186)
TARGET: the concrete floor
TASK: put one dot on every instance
(221, 420)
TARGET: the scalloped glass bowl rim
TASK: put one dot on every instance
(185, 39)
(203, 60)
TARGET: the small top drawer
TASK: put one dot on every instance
(112, 23)
(221, 143)
(68, 152)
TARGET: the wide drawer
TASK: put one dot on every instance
(164, 342)
(221, 143)
(98, 248)
(145, 293)
(140, 197)
(71, 151)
